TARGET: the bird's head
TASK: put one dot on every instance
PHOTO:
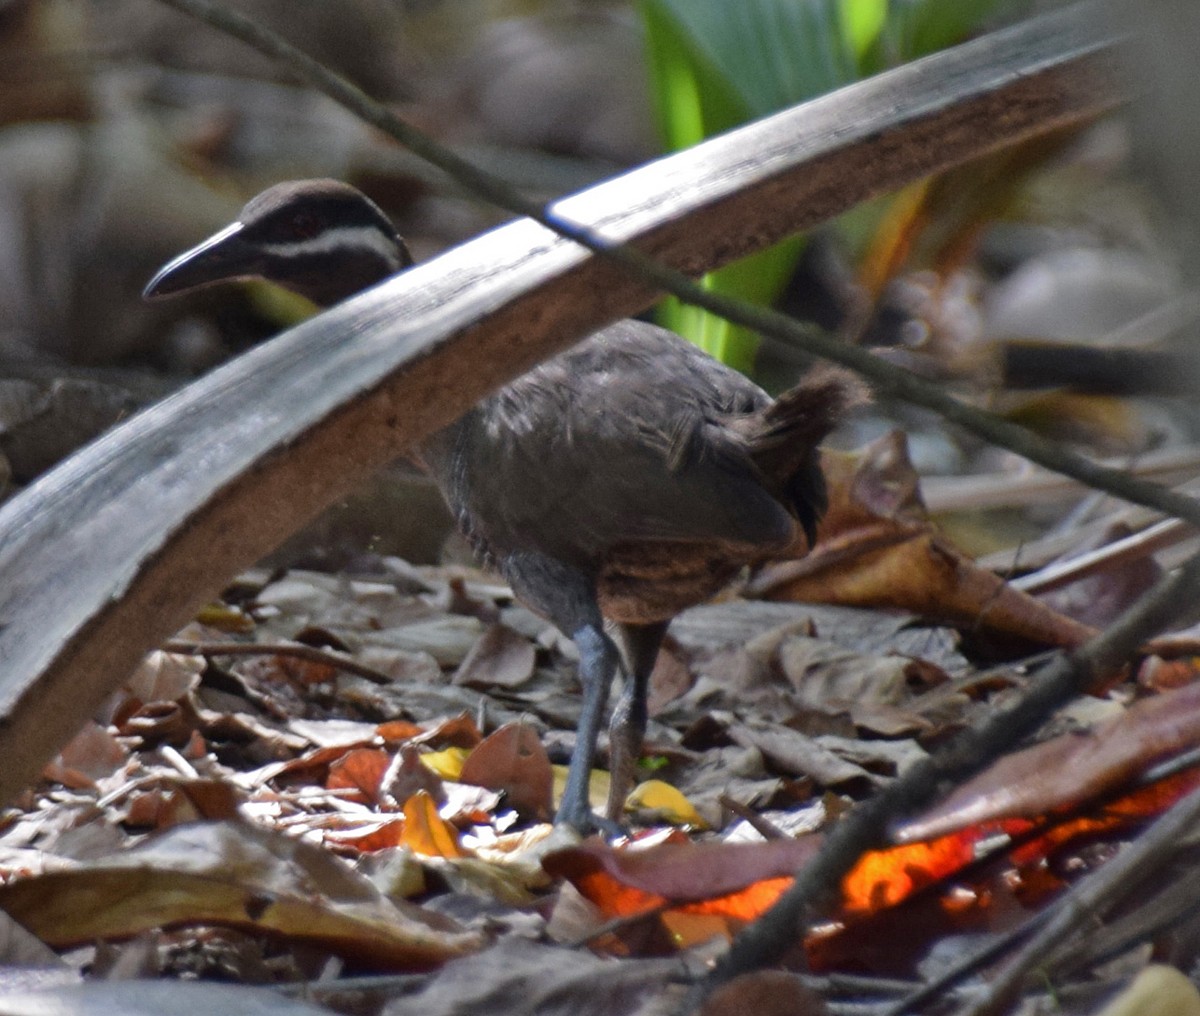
(319, 238)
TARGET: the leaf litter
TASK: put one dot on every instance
(287, 817)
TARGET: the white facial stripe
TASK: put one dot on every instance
(342, 238)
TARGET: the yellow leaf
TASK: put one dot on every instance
(665, 800)
(447, 763)
(225, 618)
(597, 784)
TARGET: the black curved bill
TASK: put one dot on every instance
(223, 256)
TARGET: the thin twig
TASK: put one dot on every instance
(618, 924)
(1171, 906)
(982, 957)
(887, 380)
(988, 954)
(1015, 488)
(302, 652)
(1087, 900)
(1126, 550)
(866, 826)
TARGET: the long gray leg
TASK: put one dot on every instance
(627, 728)
(567, 597)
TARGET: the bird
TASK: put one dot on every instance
(613, 486)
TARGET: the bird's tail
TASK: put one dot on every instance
(782, 439)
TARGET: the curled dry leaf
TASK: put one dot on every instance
(876, 549)
(1070, 769)
(500, 657)
(238, 875)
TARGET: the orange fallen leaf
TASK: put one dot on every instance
(734, 880)
(395, 731)
(426, 832)
(359, 769)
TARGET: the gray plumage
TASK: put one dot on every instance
(627, 478)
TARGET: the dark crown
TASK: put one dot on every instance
(319, 238)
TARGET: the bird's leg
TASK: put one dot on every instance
(567, 596)
(627, 728)
(598, 662)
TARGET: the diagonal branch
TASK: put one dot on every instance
(113, 550)
(866, 827)
(1088, 92)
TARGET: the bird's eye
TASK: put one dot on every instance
(305, 225)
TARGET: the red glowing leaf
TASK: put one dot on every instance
(735, 880)
(1070, 769)
(883, 878)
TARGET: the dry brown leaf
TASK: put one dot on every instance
(165, 677)
(876, 549)
(361, 770)
(764, 993)
(911, 568)
(1070, 769)
(670, 678)
(1099, 598)
(520, 978)
(797, 754)
(90, 755)
(500, 658)
(453, 732)
(513, 760)
(234, 874)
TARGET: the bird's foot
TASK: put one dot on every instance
(586, 822)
